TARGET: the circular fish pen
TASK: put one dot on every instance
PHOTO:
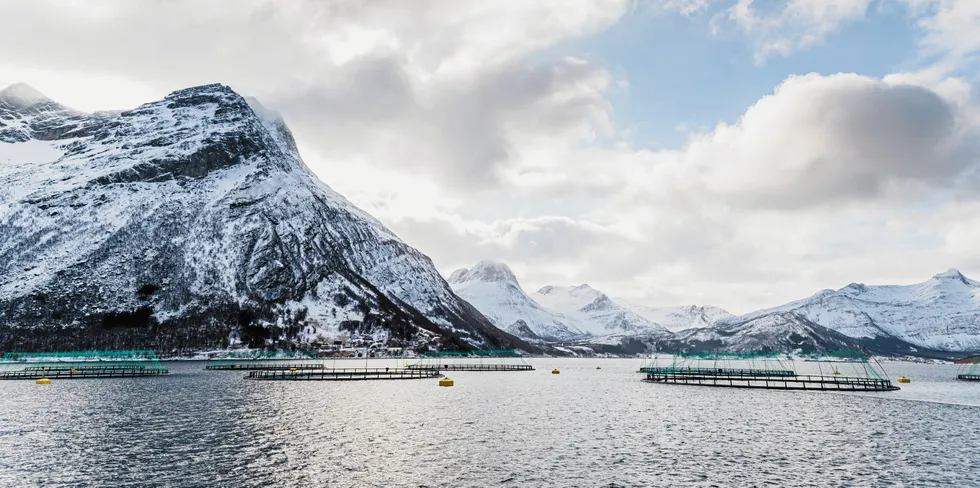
(830, 371)
(265, 361)
(487, 360)
(80, 365)
(971, 370)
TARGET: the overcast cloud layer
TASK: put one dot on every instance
(454, 123)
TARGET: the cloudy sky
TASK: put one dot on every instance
(741, 153)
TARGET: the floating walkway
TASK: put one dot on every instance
(764, 370)
(345, 374)
(477, 361)
(262, 365)
(472, 367)
(80, 365)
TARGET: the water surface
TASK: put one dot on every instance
(583, 427)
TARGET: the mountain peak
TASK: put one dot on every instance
(952, 275)
(197, 95)
(22, 95)
(485, 270)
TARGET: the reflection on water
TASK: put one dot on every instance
(584, 427)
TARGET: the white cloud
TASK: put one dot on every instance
(797, 24)
(450, 121)
(950, 33)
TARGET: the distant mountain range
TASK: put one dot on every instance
(940, 315)
(570, 313)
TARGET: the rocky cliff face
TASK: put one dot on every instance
(192, 222)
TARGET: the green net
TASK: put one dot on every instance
(85, 361)
(970, 368)
(269, 358)
(840, 363)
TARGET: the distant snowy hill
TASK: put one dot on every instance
(493, 289)
(676, 319)
(598, 314)
(941, 313)
(192, 222)
(936, 316)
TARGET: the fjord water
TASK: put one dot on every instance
(583, 427)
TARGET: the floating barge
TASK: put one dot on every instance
(968, 377)
(344, 374)
(486, 360)
(769, 371)
(80, 365)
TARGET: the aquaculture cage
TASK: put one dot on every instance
(80, 364)
(836, 370)
(970, 371)
(344, 374)
(486, 360)
(304, 366)
(266, 361)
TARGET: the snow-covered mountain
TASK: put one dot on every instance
(676, 319)
(598, 314)
(783, 332)
(493, 289)
(942, 313)
(189, 222)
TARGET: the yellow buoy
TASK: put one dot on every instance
(43, 381)
(555, 371)
(903, 379)
(292, 370)
(445, 382)
(597, 367)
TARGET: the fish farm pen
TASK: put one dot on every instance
(488, 360)
(344, 374)
(971, 372)
(844, 371)
(265, 361)
(79, 365)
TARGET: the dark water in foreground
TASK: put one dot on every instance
(581, 428)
